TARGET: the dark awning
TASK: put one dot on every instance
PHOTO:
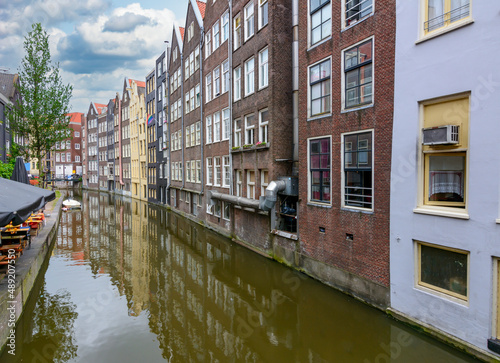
(18, 201)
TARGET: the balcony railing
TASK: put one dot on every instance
(447, 18)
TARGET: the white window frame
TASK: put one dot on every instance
(209, 130)
(309, 197)
(263, 127)
(225, 26)
(216, 82)
(325, 7)
(208, 44)
(208, 87)
(264, 68)
(249, 76)
(263, 183)
(226, 124)
(239, 183)
(225, 76)
(249, 12)
(217, 171)
(251, 185)
(226, 176)
(210, 174)
(216, 119)
(309, 88)
(263, 4)
(237, 25)
(216, 35)
(249, 130)
(237, 84)
(237, 133)
(343, 135)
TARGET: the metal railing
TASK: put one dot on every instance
(447, 18)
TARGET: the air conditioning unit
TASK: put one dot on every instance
(440, 135)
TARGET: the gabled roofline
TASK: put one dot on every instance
(197, 13)
(177, 33)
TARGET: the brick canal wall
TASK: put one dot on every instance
(26, 269)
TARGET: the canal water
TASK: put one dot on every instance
(131, 282)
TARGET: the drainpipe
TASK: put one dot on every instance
(202, 140)
(295, 85)
(230, 94)
(182, 118)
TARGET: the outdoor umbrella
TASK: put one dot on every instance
(18, 201)
(20, 174)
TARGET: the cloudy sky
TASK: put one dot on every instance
(96, 42)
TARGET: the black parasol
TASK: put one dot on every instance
(18, 201)
(20, 174)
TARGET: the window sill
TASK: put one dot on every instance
(444, 30)
(288, 235)
(313, 204)
(356, 210)
(497, 220)
(346, 110)
(319, 117)
(442, 212)
(356, 23)
(311, 47)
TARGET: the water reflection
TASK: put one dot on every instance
(150, 285)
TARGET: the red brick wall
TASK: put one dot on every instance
(367, 255)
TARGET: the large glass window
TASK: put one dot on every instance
(225, 26)
(237, 84)
(356, 10)
(358, 179)
(443, 13)
(321, 20)
(263, 13)
(216, 82)
(263, 126)
(216, 35)
(319, 168)
(320, 88)
(249, 129)
(446, 178)
(226, 126)
(444, 270)
(237, 31)
(358, 75)
(251, 184)
(237, 133)
(210, 174)
(209, 129)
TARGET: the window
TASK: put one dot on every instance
(216, 126)
(226, 132)
(319, 169)
(263, 68)
(216, 32)
(249, 77)
(197, 95)
(190, 31)
(356, 10)
(188, 171)
(226, 210)
(443, 13)
(77, 158)
(217, 208)
(249, 129)
(191, 99)
(77, 134)
(227, 172)
(237, 31)
(77, 146)
(263, 124)
(209, 129)
(251, 184)
(263, 13)
(193, 135)
(321, 22)
(188, 107)
(320, 88)
(239, 183)
(264, 181)
(225, 76)
(358, 75)
(358, 178)
(198, 172)
(444, 170)
(216, 82)
(217, 171)
(237, 84)
(209, 88)
(237, 133)
(443, 269)
(186, 68)
(197, 58)
(249, 20)
(68, 144)
(225, 26)
(208, 44)
(209, 171)
(198, 133)
(191, 64)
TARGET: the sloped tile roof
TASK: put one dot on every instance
(75, 117)
(181, 29)
(202, 6)
(139, 83)
(99, 107)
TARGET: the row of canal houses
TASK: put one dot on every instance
(345, 139)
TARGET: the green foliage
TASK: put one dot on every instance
(41, 114)
(7, 168)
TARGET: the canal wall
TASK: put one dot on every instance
(13, 299)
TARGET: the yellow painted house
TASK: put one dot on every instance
(139, 183)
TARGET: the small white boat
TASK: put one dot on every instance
(71, 203)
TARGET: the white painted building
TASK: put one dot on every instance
(445, 194)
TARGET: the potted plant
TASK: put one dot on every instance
(247, 146)
(261, 143)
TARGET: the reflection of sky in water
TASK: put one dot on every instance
(103, 330)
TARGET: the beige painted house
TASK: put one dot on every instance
(138, 139)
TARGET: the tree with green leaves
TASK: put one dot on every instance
(40, 116)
